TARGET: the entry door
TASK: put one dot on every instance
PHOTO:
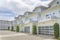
(27, 29)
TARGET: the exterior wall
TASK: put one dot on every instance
(5, 24)
(21, 26)
(49, 24)
(45, 21)
(14, 24)
(50, 10)
(50, 16)
(55, 3)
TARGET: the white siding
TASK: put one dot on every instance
(55, 3)
(5, 24)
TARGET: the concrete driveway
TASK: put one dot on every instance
(8, 35)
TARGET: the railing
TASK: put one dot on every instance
(42, 20)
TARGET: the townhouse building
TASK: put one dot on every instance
(43, 17)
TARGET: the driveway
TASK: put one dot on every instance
(8, 35)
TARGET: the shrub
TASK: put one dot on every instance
(17, 28)
(34, 29)
(56, 30)
(8, 28)
(59, 38)
(12, 28)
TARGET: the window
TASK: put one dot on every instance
(59, 11)
(49, 6)
(53, 13)
(47, 15)
(58, 2)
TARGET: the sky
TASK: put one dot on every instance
(12, 8)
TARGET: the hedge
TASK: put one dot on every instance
(56, 30)
(59, 38)
(17, 28)
(34, 30)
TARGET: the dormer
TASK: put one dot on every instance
(27, 13)
(54, 3)
(16, 18)
(40, 9)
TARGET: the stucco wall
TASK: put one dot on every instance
(47, 23)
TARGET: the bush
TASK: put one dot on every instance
(56, 30)
(34, 30)
(12, 28)
(17, 28)
(8, 28)
(59, 38)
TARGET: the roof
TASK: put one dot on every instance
(27, 13)
(52, 2)
(5, 20)
(40, 7)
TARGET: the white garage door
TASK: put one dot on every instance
(46, 30)
(27, 29)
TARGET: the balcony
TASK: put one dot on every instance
(27, 21)
(44, 20)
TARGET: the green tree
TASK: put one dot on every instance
(56, 30)
(59, 38)
(17, 28)
(34, 30)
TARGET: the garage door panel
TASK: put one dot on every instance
(27, 29)
(46, 30)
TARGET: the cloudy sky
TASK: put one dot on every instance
(11, 8)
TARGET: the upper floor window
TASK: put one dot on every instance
(49, 6)
(59, 11)
(47, 15)
(58, 2)
(53, 13)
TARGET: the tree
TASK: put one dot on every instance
(34, 30)
(17, 28)
(59, 38)
(56, 30)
